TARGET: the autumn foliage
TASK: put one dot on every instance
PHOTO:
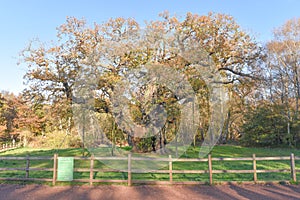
(257, 78)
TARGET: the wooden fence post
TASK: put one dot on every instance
(27, 166)
(92, 170)
(171, 169)
(129, 169)
(210, 169)
(254, 169)
(54, 169)
(293, 168)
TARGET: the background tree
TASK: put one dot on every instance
(276, 100)
(8, 113)
(284, 63)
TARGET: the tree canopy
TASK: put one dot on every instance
(88, 64)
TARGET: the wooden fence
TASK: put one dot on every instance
(10, 146)
(170, 171)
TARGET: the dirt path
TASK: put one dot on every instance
(232, 192)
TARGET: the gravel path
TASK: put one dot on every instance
(143, 192)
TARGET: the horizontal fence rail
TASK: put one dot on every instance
(10, 146)
(53, 160)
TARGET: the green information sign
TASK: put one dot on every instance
(65, 168)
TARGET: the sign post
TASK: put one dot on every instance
(65, 168)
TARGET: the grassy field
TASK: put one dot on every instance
(219, 151)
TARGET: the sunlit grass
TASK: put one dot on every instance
(218, 151)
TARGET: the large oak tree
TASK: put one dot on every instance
(111, 49)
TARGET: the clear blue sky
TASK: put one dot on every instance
(23, 20)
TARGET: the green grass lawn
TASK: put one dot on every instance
(225, 151)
